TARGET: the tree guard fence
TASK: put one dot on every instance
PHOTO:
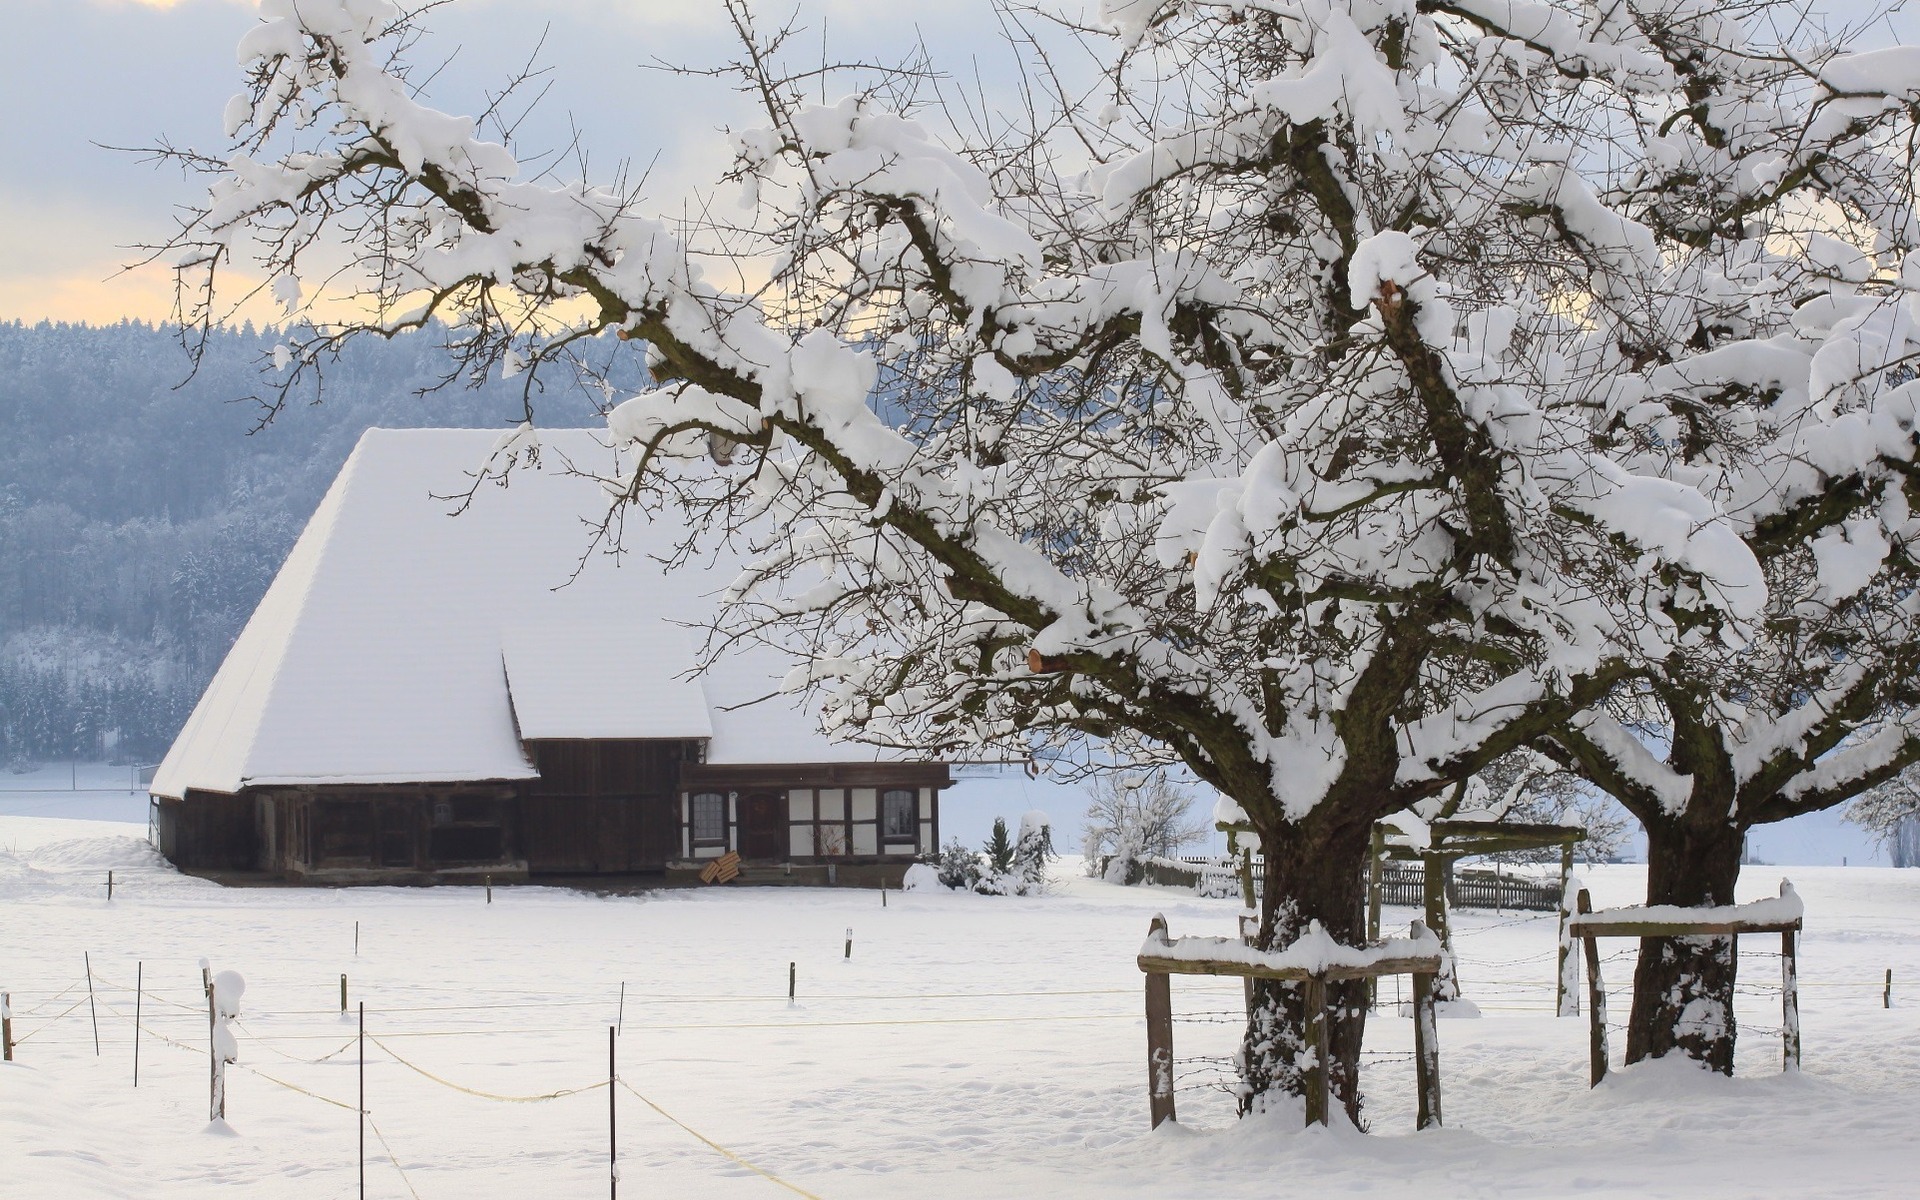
(1435, 889)
(1781, 915)
(1313, 961)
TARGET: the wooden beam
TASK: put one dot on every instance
(1376, 849)
(1609, 925)
(1566, 988)
(1168, 965)
(1790, 1000)
(1319, 1076)
(1159, 1037)
(1596, 999)
(1426, 1047)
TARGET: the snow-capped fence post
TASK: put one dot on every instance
(1596, 999)
(213, 1058)
(1566, 997)
(1426, 1042)
(6, 1026)
(1789, 991)
(1159, 1036)
(223, 1004)
(849, 941)
(343, 994)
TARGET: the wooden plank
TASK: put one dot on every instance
(1159, 1038)
(1603, 925)
(1167, 965)
(1790, 1001)
(1376, 850)
(1426, 1051)
(1566, 999)
(1596, 1000)
(1319, 1076)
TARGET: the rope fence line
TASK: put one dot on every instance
(717, 1147)
(391, 1157)
(484, 1095)
(266, 1043)
(49, 1002)
(49, 1023)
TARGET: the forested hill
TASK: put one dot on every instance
(140, 519)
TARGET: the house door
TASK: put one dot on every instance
(763, 834)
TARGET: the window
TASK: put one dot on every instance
(709, 819)
(899, 815)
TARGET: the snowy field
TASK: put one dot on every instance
(972, 1046)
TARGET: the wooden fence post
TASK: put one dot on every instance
(87, 957)
(1789, 1002)
(1596, 1000)
(216, 1086)
(1566, 996)
(343, 995)
(1376, 851)
(1426, 1044)
(613, 1143)
(6, 1026)
(1320, 1076)
(1886, 997)
(1159, 1037)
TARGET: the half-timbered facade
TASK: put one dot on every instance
(425, 697)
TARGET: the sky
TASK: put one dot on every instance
(79, 76)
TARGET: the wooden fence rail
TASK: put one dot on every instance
(1404, 885)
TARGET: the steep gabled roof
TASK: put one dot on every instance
(401, 643)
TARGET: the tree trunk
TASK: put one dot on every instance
(1683, 987)
(1312, 874)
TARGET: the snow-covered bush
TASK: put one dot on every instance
(1031, 853)
(921, 877)
(958, 867)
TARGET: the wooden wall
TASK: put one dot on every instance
(208, 832)
(603, 806)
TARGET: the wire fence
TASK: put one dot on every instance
(48, 1020)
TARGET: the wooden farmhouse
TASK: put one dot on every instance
(424, 697)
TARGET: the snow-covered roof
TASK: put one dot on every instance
(401, 643)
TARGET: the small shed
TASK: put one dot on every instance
(422, 696)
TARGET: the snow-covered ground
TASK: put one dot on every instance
(971, 1046)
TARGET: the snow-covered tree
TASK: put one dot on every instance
(1766, 359)
(1891, 812)
(1261, 413)
(1132, 816)
(1530, 788)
